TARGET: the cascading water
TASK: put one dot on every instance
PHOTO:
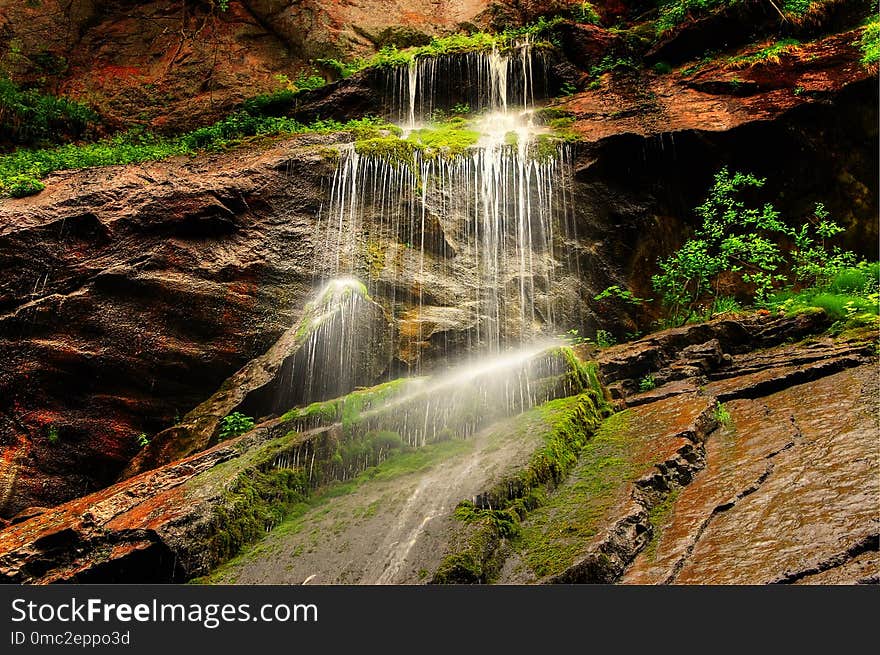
(491, 217)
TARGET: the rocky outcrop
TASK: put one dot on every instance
(182, 519)
(755, 467)
(131, 293)
(789, 493)
(176, 64)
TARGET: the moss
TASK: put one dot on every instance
(448, 139)
(658, 517)
(390, 148)
(558, 530)
(298, 511)
(375, 256)
(548, 114)
(348, 408)
(568, 423)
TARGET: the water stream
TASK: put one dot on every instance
(491, 218)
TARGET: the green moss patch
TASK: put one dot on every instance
(560, 529)
(567, 424)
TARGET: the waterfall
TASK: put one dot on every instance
(492, 218)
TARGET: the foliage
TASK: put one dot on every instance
(136, 146)
(610, 63)
(813, 264)
(52, 435)
(771, 53)
(647, 383)
(724, 305)
(28, 117)
(142, 440)
(573, 338)
(623, 295)
(851, 297)
(869, 42)
(722, 415)
(604, 339)
(675, 12)
(585, 12)
(19, 186)
(741, 243)
(390, 56)
(234, 425)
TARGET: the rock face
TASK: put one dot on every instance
(789, 492)
(175, 64)
(779, 484)
(156, 283)
(180, 520)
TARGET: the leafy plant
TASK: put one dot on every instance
(722, 415)
(567, 89)
(615, 292)
(52, 435)
(573, 337)
(610, 63)
(142, 440)
(674, 12)
(19, 186)
(724, 305)
(733, 240)
(647, 383)
(771, 53)
(813, 264)
(604, 339)
(28, 117)
(585, 12)
(234, 425)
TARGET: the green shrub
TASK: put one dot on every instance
(742, 244)
(604, 339)
(28, 117)
(585, 12)
(869, 42)
(722, 415)
(234, 425)
(52, 435)
(19, 186)
(647, 383)
(142, 440)
(623, 295)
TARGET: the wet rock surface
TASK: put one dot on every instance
(392, 529)
(789, 493)
(181, 520)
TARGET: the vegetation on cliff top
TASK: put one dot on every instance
(21, 170)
